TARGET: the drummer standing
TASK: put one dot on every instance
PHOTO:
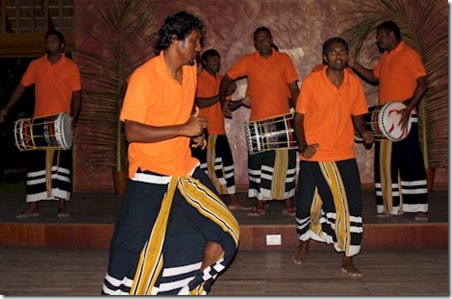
(216, 159)
(57, 90)
(272, 82)
(330, 105)
(400, 177)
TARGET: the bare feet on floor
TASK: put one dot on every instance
(239, 207)
(62, 213)
(349, 268)
(299, 254)
(28, 213)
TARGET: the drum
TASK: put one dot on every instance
(47, 132)
(384, 121)
(269, 134)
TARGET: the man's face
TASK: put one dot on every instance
(336, 57)
(263, 43)
(383, 39)
(189, 47)
(213, 64)
(53, 44)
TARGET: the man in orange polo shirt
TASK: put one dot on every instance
(216, 159)
(329, 209)
(272, 83)
(173, 234)
(400, 177)
(57, 90)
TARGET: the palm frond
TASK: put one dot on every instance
(120, 34)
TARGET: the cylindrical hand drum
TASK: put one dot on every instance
(270, 134)
(47, 132)
(384, 122)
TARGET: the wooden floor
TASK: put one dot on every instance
(67, 272)
(48, 256)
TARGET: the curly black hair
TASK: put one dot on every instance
(178, 25)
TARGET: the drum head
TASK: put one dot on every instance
(63, 131)
(388, 121)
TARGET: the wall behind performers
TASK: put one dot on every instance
(299, 28)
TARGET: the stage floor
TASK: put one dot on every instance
(102, 208)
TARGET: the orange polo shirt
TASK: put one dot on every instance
(54, 84)
(268, 81)
(397, 72)
(154, 98)
(209, 86)
(327, 114)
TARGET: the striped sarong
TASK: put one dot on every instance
(48, 175)
(160, 235)
(329, 207)
(217, 162)
(400, 177)
(272, 174)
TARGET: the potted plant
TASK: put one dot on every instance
(120, 34)
(424, 26)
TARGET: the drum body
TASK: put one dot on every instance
(47, 132)
(269, 134)
(384, 122)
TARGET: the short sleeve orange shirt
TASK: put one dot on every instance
(154, 98)
(209, 86)
(327, 114)
(54, 84)
(397, 72)
(268, 82)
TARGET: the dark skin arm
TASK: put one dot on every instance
(207, 102)
(138, 132)
(76, 106)
(307, 150)
(421, 88)
(366, 73)
(360, 126)
(294, 91)
(224, 87)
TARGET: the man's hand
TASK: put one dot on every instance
(199, 141)
(3, 113)
(368, 137)
(308, 151)
(226, 111)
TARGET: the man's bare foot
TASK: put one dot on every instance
(235, 204)
(30, 211)
(299, 254)
(349, 268)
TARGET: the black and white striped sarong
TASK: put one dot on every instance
(163, 225)
(400, 177)
(329, 207)
(48, 175)
(272, 174)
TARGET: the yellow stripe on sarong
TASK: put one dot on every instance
(342, 224)
(211, 157)
(206, 202)
(278, 186)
